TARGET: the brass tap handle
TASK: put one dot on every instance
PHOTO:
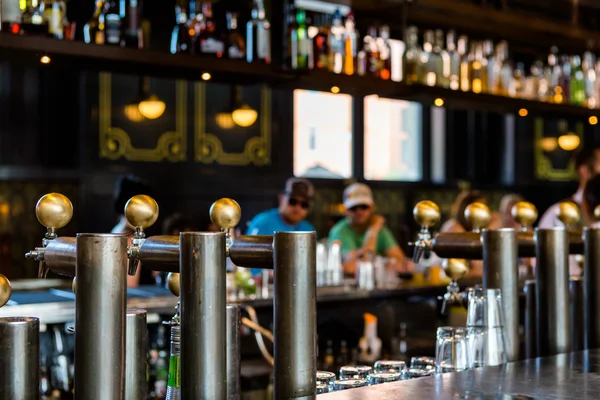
(226, 214)
(568, 213)
(53, 211)
(597, 213)
(141, 211)
(5, 290)
(74, 285)
(478, 215)
(455, 268)
(173, 283)
(524, 213)
(427, 214)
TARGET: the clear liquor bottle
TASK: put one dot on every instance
(490, 66)
(454, 61)
(428, 60)
(465, 69)
(589, 72)
(291, 26)
(565, 78)
(113, 23)
(236, 43)
(95, 30)
(55, 12)
(180, 38)
(412, 55)
(442, 60)
(258, 40)
(372, 52)
(478, 68)
(211, 44)
(336, 44)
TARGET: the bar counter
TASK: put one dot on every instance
(572, 376)
(57, 305)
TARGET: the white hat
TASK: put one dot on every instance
(357, 194)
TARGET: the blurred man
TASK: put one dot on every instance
(294, 203)
(363, 233)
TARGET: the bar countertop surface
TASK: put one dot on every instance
(573, 376)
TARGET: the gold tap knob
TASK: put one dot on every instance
(74, 285)
(568, 213)
(524, 213)
(478, 215)
(426, 213)
(455, 268)
(5, 290)
(597, 213)
(225, 213)
(141, 211)
(53, 211)
(173, 283)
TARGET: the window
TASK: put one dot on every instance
(322, 135)
(393, 140)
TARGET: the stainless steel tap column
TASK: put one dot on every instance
(530, 317)
(501, 271)
(19, 358)
(234, 385)
(591, 287)
(203, 316)
(100, 316)
(577, 312)
(136, 351)
(552, 292)
(295, 314)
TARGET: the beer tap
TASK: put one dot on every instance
(141, 211)
(53, 211)
(5, 290)
(455, 268)
(525, 214)
(427, 214)
(568, 213)
(226, 213)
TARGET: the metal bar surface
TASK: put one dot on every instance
(252, 252)
(577, 325)
(501, 271)
(19, 358)
(530, 335)
(553, 313)
(136, 351)
(234, 384)
(295, 314)
(203, 316)
(100, 316)
(591, 286)
(60, 255)
(160, 253)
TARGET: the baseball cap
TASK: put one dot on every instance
(357, 194)
(299, 187)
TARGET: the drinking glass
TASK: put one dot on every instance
(348, 384)
(422, 363)
(383, 377)
(390, 366)
(354, 372)
(325, 377)
(322, 388)
(412, 373)
(452, 351)
(484, 308)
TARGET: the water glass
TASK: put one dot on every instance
(366, 275)
(412, 373)
(452, 350)
(390, 366)
(383, 377)
(348, 384)
(325, 377)
(322, 388)
(487, 347)
(484, 308)
(422, 363)
(354, 372)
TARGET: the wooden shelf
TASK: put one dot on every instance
(92, 57)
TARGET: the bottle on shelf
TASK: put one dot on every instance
(454, 61)
(132, 33)
(506, 70)
(476, 67)
(95, 30)
(565, 78)
(371, 50)
(343, 357)
(301, 46)
(180, 38)
(428, 60)
(209, 41)
(321, 43)
(350, 45)
(258, 31)
(589, 73)
(465, 65)
(10, 17)
(33, 19)
(329, 359)
(518, 82)
(385, 52)
(490, 66)
(412, 55)
(291, 27)
(443, 60)
(113, 23)
(577, 94)
(236, 44)
(336, 44)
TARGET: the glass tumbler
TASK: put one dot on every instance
(348, 384)
(389, 366)
(422, 362)
(452, 350)
(484, 308)
(383, 377)
(325, 377)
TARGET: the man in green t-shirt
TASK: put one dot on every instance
(363, 232)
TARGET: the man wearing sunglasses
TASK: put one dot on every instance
(363, 233)
(294, 203)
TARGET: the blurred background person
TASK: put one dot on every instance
(363, 234)
(591, 200)
(506, 204)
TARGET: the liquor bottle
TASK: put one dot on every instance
(210, 42)
(34, 22)
(577, 94)
(291, 28)
(443, 68)
(411, 57)
(300, 43)
(372, 52)
(258, 39)
(565, 78)
(180, 38)
(454, 61)
(173, 386)
(336, 43)
(132, 33)
(465, 70)
(329, 360)
(195, 25)
(506, 70)
(55, 13)
(236, 44)
(589, 61)
(385, 52)
(112, 21)
(350, 45)
(428, 60)
(343, 357)
(490, 65)
(518, 82)
(476, 67)
(95, 30)
(10, 17)
(320, 43)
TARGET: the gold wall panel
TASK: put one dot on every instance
(208, 148)
(543, 164)
(115, 142)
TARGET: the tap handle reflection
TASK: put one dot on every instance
(524, 213)
(141, 212)
(226, 213)
(478, 215)
(53, 211)
(426, 214)
(568, 213)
